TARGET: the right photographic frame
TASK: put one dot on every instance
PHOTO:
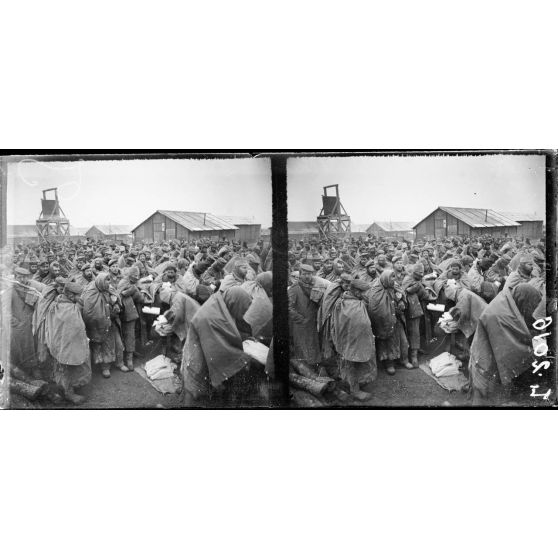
(422, 279)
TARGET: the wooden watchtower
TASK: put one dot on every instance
(333, 221)
(52, 224)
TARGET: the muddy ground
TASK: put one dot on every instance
(407, 388)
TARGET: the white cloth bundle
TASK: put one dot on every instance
(151, 310)
(162, 326)
(447, 323)
(445, 364)
(160, 367)
(258, 351)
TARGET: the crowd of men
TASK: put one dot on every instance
(360, 305)
(356, 306)
(84, 307)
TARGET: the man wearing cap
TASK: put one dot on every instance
(68, 343)
(523, 273)
(53, 273)
(371, 273)
(24, 299)
(415, 292)
(360, 268)
(455, 272)
(303, 319)
(353, 339)
(99, 266)
(237, 277)
(399, 270)
(413, 259)
(131, 298)
(316, 263)
(33, 264)
(42, 270)
(66, 267)
(114, 273)
(76, 271)
(326, 272)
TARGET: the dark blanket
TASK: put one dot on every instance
(96, 309)
(351, 330)
(382, 307)
(213, 351)
(66, 338)
(502, 346)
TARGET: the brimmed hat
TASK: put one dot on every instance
(22, 271)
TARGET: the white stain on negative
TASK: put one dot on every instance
(66, 177)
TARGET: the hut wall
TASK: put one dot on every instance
(531, 229)
(248, 233)
(159, 228)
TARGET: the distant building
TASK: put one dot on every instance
(392, 229)
(28, 233)
(183, 225)
(358, 230)
(248, 230)
(531, 225)
(463, 221)
(22, 233)
(301, 230)
(109, 232)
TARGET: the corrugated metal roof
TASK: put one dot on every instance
(197, 221)
(480, 218)
(78, 231)
(238, 220)
(112, 229)
(390, 226)
(518, 216)
(356, 228)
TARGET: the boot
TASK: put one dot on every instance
(414, 358)
(405, 362)
(390, 369)
(106, 371)
(122, 367)
(356, 392)
(71, 396)
(130, 361)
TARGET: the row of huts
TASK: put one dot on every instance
(441, 223)
(164, 225)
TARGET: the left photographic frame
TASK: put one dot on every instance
(137, 280)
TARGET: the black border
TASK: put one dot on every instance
(279, 236)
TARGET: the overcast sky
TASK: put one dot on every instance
(127, 192)
(409, 188)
